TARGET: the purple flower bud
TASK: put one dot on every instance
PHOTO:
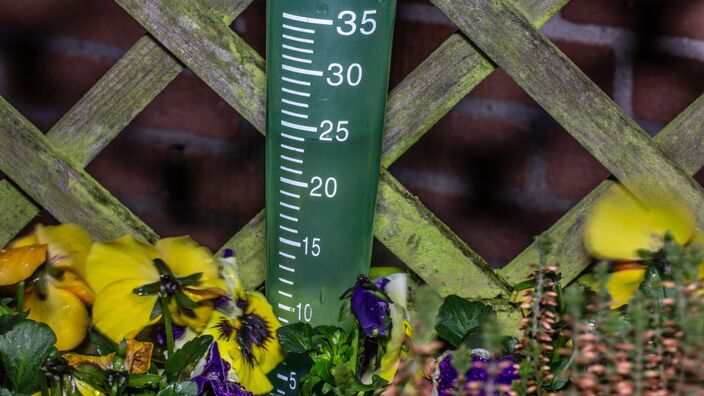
(178, 332)
(369, 308)
(227, 253)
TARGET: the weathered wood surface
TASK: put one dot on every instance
(210, 49)
(52, 180)
(682, 141)
(429, 247)
(105, 110)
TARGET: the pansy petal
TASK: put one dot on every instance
(68, 246)
(195, 319)
(87, 390)
(619, 225)
(251, 377)
(62, 311)
(622, 284)
(121, 259)
(72, 282)
(397, 289)
(26, 240)
(119, 313)
(20, 263)
(186, 257)
(269, 355)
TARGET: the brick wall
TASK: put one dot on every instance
(497, 169)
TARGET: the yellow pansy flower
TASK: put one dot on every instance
(620, 225)
(58, 294)
(129, 276)
(247, 340)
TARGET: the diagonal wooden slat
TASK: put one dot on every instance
(247, 240)
(105, 110)
(573, 100)
(209, 48)
(26, 156)
(682, 141)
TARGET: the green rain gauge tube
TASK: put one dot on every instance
(327, 80)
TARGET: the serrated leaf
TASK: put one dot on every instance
(183, 388)
(296, 337)
(188, 354)
(22, 351)
(458, 316)
(652, 286)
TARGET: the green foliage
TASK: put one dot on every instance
(183, 388)
(23, 348)
(187, 355)
(459, 320)
(337, 358)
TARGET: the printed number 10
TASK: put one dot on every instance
(305, 312)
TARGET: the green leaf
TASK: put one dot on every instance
(22, 351)
(188, 354)
(190, 279)
(7, 322)
(103, 346)
(652, 286)
(184, 301)
(183, 388)
(296, 337)
(458, 316)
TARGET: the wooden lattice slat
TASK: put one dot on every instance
(682, 141)
(197, 35)
(53, 181)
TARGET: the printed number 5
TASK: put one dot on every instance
(366, 20)
(292, 380)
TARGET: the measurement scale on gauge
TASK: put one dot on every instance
(327, 80)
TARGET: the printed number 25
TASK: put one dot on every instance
(367, 25)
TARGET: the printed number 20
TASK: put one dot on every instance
(367, 25)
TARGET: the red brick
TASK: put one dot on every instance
(98, 20)
(498, 231)
(672, 17)
(413, 42)
(188, 103)
(181, 175)
(51, 79)
(571, 170)
(472, 148)
(665, 86)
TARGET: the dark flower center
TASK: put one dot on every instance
(254, 332)
(169, 284)
(225, 330)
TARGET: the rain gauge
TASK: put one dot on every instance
(327, 80)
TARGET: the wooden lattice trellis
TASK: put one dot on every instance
(196, 34)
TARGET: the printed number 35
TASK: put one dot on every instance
(367, 25)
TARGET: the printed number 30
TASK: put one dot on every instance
(367, 25)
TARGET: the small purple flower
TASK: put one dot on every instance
(446, 377)
(485, 369)
(213, 380)
(370, 309)
(178, 332)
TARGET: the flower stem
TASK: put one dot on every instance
(167, 323)
(20, 297)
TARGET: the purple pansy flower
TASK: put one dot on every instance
(178, 332)
(370, 309)
(213, 379)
